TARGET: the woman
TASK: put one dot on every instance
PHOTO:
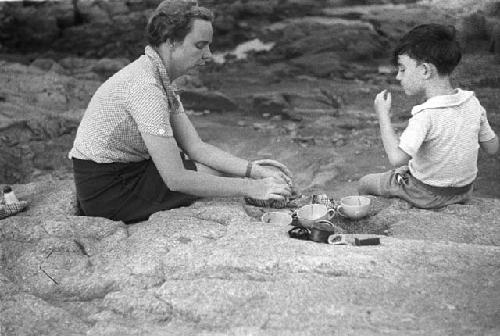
(129, 155)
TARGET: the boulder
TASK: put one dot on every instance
(392, 19)
(108, 66)
(297, 8)
(202, 99)
(94, 11)
(43, 63)
(189, 82)
(324, 64)
(121, 37)
(322, 45)
(240, 21)
(495, 41)
(28, 28)
(116, 7)
(290, 105)
(473, 27)
(492, 9)
(271, 103)
(39, 114)
(73, 63)
(316, 100)
(48, 199)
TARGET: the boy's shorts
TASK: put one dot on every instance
(400, 183)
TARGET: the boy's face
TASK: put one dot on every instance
(410, 75)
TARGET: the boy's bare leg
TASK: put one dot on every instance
(369, 184)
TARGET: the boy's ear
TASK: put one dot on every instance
(428, 70)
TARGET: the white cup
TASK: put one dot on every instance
(354, 207)
(311, 213)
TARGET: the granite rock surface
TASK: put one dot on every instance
(212, 269)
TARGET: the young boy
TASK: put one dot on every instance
(437, 152)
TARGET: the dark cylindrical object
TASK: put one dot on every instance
(366, 241)
(319, 236)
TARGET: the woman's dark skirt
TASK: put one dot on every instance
(129, 192)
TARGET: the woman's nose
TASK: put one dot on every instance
(207, 55)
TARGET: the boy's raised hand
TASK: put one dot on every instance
(382, 103)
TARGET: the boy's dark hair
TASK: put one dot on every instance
(431, 43)
(173, 19)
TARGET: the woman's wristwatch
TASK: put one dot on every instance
(248, 172)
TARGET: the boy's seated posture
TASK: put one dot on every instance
(437, 152)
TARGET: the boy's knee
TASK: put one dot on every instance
(362, 185)
(368, 184)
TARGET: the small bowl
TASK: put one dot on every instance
(276, 217)
(354, 207)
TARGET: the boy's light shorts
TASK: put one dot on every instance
(400, 183)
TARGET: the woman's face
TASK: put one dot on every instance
(194, 50)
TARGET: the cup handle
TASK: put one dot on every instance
(324, 221)
(339, 211)
(336, 239)
(331, 213)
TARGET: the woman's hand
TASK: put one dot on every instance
(269, 188)
(271, 168)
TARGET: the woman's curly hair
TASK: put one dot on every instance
(173, 19)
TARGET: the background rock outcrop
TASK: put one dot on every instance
(320, 53)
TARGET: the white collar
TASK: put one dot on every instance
(455, 99)
(170, 88)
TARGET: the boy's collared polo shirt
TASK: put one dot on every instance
(137, 99)
(443, 138)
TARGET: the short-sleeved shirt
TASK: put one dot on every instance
(443, 138)
(138, 99)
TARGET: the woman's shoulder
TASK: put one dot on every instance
(136, 76)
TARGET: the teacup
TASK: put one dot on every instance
(354, 207)
(276, 217)
(311, 213)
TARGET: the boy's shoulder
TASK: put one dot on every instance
(445, 101)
